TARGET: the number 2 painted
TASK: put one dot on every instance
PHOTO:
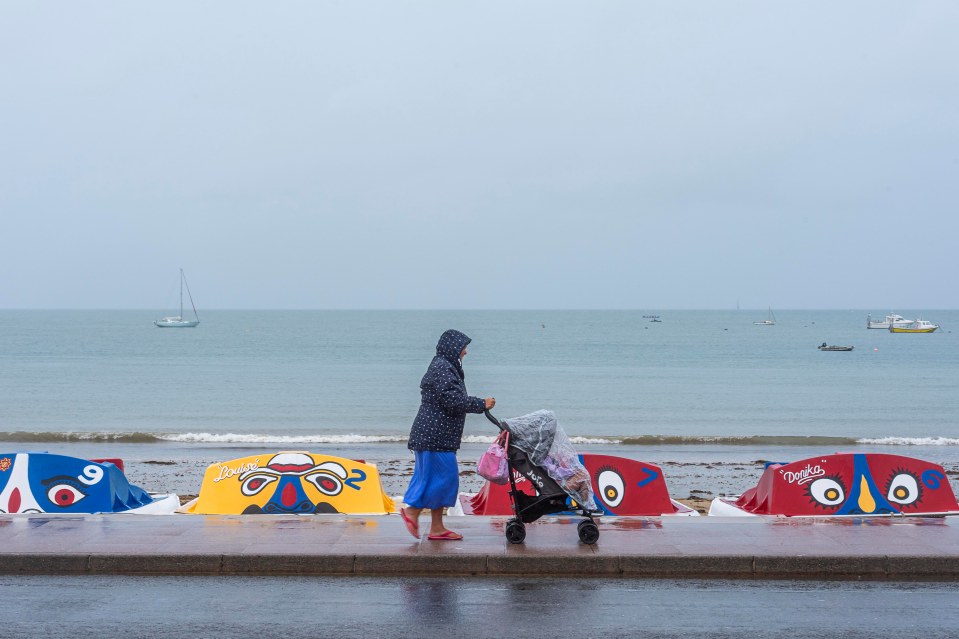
(353, 481)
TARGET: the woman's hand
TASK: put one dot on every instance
(490, 402)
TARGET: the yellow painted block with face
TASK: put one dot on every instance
(290, 482)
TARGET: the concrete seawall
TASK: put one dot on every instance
(748, 548)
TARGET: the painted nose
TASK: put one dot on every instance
(867, 503)
(13, 504)
(288, 496)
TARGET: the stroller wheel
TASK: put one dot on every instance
(515, 531)
(588, 532)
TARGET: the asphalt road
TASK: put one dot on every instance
(118, 606)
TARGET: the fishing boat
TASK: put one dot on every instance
(825, 347)
(919, 326)
(290, 483)
(890, 321)
(178, 321)
(845, 484)
(47, 483)
(623, 487)
(769, 321)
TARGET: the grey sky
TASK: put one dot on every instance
(391, 154)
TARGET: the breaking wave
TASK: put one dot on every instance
(911, 441)
(195, 438)
(53, 438)
(353, 438)
(586, 441)
(786, 440)
(746, 440)
(236, 438)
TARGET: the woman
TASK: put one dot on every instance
(436, 436)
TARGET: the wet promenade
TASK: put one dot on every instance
(742, 548)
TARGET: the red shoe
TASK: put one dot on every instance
(447, 535)
(412, 526)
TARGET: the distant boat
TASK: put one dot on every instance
(824, 347)
(652, 318)
(769, 321)
(919, 326)
(891, 320)
(178, 321)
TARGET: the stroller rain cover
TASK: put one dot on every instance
(540, 436)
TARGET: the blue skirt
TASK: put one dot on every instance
(436, 480)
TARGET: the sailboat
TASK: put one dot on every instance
(178, 321)
(769, 321)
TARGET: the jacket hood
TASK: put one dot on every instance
(450, 346)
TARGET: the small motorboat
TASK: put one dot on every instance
(290, 482)
(918, 326)
(826, 347)
(46, 483)
(845, 484)
(891, 320)
(622, 487)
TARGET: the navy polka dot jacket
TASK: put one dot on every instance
(439, 423)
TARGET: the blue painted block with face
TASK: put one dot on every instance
(46, 483)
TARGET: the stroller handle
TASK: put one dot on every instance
(498, 423)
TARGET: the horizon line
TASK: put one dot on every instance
(429, 309)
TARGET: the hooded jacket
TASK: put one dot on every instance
(439, 423)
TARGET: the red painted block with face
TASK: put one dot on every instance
(622, 487)
(851, 484)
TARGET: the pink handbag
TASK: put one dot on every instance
(492, 465)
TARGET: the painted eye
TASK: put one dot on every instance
(333, 468)
(827, 491)
(903, 489)
(611, 487)
(325, 483)
(64, 495)
(255, 483)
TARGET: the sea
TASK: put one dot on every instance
(707, 394)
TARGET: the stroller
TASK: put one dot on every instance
(540, 451)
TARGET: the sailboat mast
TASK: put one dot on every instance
(195, 314)
(181, 293)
